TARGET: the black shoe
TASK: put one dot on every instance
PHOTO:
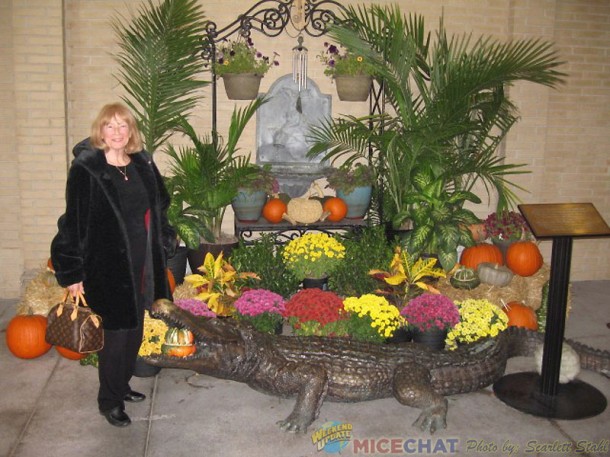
(134, 397)
(117, 417)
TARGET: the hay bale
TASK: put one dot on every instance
(184, 291)
(527, 290)
(41, 293)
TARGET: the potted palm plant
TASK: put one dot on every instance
(447, 112)
(205, 176)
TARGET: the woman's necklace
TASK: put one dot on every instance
(124, 173)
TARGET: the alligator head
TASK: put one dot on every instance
(220, 349)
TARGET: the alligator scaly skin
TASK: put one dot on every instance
(315, 369)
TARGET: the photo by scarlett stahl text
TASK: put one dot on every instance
(440, 446)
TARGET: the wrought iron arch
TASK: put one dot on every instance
(271, 18)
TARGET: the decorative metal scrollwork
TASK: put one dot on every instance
(271, 18)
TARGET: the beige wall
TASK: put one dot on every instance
(56, 71)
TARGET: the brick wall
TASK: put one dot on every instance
(56, 71)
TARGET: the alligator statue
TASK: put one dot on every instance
(314, 369)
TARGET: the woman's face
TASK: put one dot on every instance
(115, 134)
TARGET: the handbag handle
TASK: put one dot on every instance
(80, 297)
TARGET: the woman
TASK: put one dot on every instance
(112, 244)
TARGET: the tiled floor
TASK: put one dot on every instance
(48, 408)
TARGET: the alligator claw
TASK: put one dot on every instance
(292, 426)
(433, 418)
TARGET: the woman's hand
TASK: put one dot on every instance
(75, 289)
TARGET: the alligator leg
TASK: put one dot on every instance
(310, 384)
(412, 387)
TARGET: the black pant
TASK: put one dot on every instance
(116, 364)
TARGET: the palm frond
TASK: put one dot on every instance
(159, 65)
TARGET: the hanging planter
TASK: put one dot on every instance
(242, 86)
(353, 88)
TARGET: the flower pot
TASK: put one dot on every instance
(315, 283)
(503, 245)
(177, 264)
(433, 338)
(196, 256)
(144, 370)
(357, 201)
(401, 335)
(353, 88)
(242, 86)
(248, 206)
(398, 233)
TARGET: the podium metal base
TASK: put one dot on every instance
(574, 400)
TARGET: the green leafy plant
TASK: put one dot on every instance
(264, 258)
(346, 178)
(242, 57)
(440, 221)
(206, 175)
(217, 284)
(406, 277)
(262, 180)
(158, 65)
(446, 106)
(364, 250)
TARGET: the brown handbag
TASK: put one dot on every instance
(75, 327)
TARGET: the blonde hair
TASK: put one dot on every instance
(106, 114)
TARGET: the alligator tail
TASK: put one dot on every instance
(592, 359)
(523, 342)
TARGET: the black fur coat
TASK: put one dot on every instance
(92, 242)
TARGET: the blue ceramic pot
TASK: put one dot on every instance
(358, 201)
(248, 206)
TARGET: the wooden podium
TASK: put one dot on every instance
(543, 395)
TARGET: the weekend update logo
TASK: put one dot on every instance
(332, 437)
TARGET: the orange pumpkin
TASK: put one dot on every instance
(520, 315)
(336, 207)
(484, 252)
(25, 336)
(274, 209)
(68, 354)
(524, 258)
(178, 350)
(171, 280)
